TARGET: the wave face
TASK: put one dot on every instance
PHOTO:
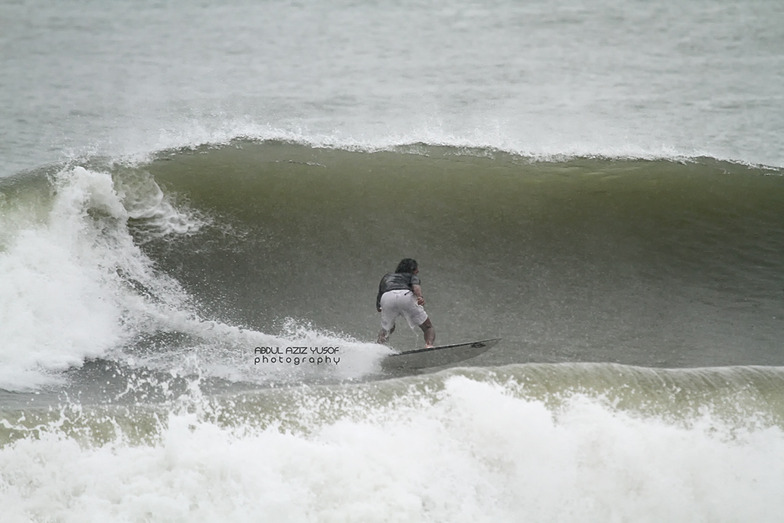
(640, 262)
(639, 302)
(224, 248)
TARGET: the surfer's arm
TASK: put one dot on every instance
(381, 289)
(418, 293)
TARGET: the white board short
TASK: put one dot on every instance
(401, 303)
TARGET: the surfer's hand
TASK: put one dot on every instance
(420, 300)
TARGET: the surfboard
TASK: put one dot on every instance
(438, 356)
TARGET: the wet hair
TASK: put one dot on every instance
(407, 265)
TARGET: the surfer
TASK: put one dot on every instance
(400, 294)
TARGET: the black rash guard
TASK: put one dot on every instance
(394, 281)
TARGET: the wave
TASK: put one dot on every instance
(208, 252)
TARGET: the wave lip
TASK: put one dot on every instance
(68, 277)
(61, 309)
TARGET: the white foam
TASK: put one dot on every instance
(77, 286)
(472, 452)
(56, 309)
(144, 200)
(299, 352)
(537, 136)
(63, 281)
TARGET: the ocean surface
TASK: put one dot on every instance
(186, 186)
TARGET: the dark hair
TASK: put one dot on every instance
(407, 265)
